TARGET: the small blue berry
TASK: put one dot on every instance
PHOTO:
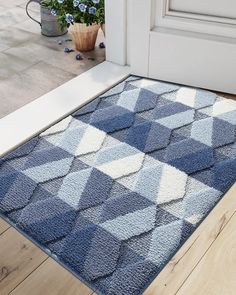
(79, 57)
(68, 50)
(102, 45)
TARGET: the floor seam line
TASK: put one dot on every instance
(182, 284)
(28, 275)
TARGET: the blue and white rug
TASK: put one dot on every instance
(113, 191)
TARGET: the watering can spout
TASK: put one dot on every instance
(49, 24)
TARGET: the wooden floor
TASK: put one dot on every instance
(205, 265)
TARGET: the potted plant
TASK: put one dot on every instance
(82, 17)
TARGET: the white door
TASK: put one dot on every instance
(191, 42)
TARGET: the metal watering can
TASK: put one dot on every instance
(49, 24)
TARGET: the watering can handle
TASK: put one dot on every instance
(27, 12)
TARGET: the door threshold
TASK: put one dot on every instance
(37, 116)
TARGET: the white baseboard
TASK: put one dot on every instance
(50, 108)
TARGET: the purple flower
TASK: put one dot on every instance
(69, 18)
(92, 10)
(95, 1)
(82, 7)
(76, 3)
(53, 12)
(60, 1)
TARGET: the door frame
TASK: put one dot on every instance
(116, 31)
(125, 34)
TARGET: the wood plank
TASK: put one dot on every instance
(51, 278)
(18, 258)
(3, 226)
(227, 95)
(215, 274)
(181, 265)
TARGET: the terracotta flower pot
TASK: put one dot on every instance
(84, 37)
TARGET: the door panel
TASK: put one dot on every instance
(217, 8)
(198, 51)
(193, 61)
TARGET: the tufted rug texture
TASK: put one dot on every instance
(115, 189)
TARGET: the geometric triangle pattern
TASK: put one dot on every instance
(115, 189)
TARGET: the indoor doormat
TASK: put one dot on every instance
(113, 191)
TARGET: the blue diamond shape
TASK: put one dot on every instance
(96, 191)
(124, 204)
(22, 150)
(102, 256)
(16, 190)
(45, 156)
(146, 101)
(76, 245)
(47, 220)
(112, 118)
(88, 108)
(148, 136)
(227, 167)
(169, 110)
(223, 133)
(190, 155)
